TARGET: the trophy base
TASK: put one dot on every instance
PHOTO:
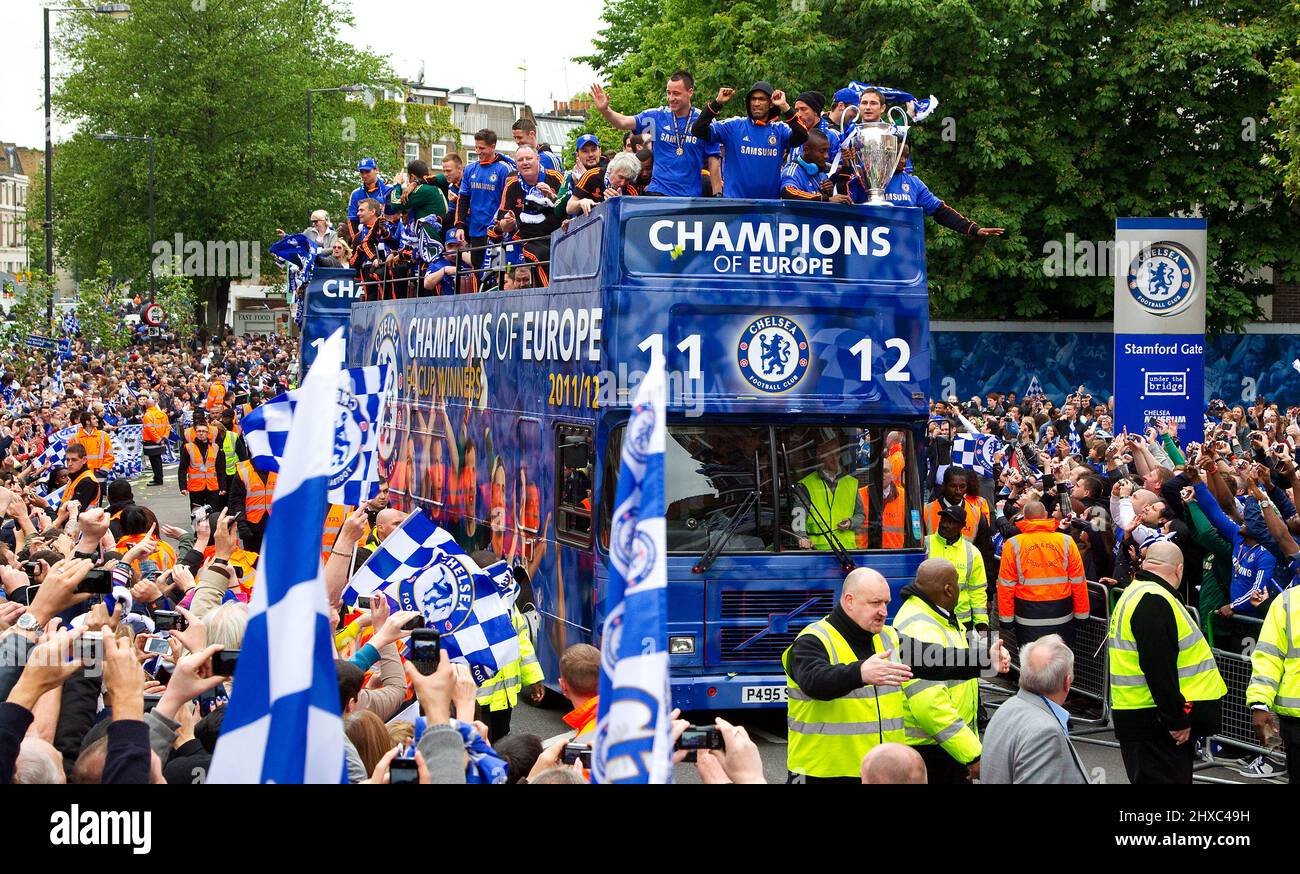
(876, 197)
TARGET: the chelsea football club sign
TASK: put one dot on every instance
(1159, 321)
(1162, 279)
(773, 354)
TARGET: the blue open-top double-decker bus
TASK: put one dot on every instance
(796, 337)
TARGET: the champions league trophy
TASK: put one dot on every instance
(873, 149)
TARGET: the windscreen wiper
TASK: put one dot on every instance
(733, 522)
(846, 560)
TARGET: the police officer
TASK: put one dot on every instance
(947, 543)
(1275, 678)
(1165, 687)
(844, 676)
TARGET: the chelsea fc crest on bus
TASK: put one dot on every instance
(387, 350)
(773, 354)
(1162, 279)
(349, 435)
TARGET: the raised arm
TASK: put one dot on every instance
(618, 120)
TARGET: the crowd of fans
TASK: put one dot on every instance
(1223, 490)
(485, 223)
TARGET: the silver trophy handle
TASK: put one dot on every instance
(902, 127)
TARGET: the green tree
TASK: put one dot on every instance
(98, 307)
(220, 86)
(176, 297)
(29, 313)
(1054, 118)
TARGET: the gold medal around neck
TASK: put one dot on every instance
(679, 150)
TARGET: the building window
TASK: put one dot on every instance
(437, 152)
(412, 152)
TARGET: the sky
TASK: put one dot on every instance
(522, 35)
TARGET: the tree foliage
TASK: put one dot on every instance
(221, 87)
(1055, 117)
(29, 313)
(99, 311)
(177, 298)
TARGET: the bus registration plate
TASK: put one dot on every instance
(762, 694)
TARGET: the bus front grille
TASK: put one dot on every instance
(762, 623)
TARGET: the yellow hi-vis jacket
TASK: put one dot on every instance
(1198, 674)
(941, 712)
(972, 584)
(501, 692)
(831, 738)
(1275, 674)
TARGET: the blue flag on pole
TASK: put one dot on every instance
(633, 731)
(282, 724)
(359, 405)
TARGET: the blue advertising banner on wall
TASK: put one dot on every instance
(1238, 367)
(329, 297)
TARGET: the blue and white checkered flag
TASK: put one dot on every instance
(56, 447)
(633, 732)
(282, 724)
(71, 324)
(1035, 390)
(360, 409)
(975, 452)
(420, 567)
(128, 457)
(58, 377)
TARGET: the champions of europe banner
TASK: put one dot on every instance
(780, 240)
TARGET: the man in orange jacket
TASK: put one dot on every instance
(154, 433)
(98, 446)
(1041, 587)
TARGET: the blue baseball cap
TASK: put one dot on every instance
(846, 95)
(366, 164)
(586, 140)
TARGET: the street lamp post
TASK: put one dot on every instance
(153, 231)
(344, 89)
(116, 11)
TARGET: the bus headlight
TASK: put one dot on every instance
(684, 645)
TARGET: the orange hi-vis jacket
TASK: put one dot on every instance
(216, 395)
(334, 519)
(156, 427)
(164, 556)
(257, 492)
(1040, 581)
(202, 473)
(99, 449)
(968, 530)
(893, 517)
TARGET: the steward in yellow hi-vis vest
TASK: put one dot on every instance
(845, 676)
(1165, 687)
(499, 695)
(1275, 676)
(940, 715)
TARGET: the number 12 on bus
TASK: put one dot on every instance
(796, 407)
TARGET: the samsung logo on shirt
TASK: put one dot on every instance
(756, 152)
